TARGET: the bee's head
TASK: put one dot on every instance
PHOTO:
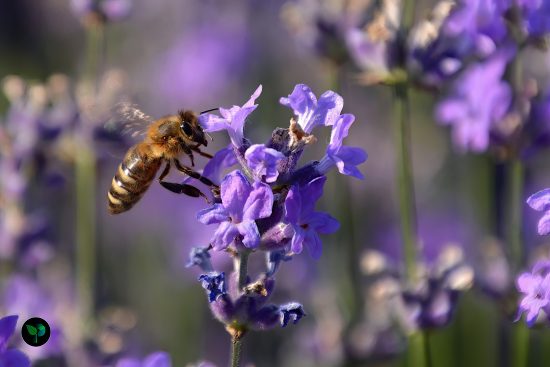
(191, 129)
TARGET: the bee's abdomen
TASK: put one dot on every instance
(133, 177)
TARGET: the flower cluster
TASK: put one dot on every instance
(10, 357)
(101, 10)
(540, 201)
(268, 204)
(535, 289)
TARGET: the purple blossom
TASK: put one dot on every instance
(214, 283)
(310, 111)
(274, 259)
(222, 160)
(307, 223)
(536, 17)
(242, 203)
(263, 162)
(535, 289)
(477, 25)
(540, 201)
(291, 312)
(344, 158)
(232, 119)
(200, 257)
(479, 100)
(10, 357)
(156, 359)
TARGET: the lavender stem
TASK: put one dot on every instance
(85, 181)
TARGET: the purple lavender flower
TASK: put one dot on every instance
(222, 160)
(344, 158)
(306, 222)
(291, 311)
(200, 257)
(214, 283)
(248, 308)
(535, 287)
(242, 203)
(535, 16)
(479, 100)
(540, 201)
(263, 162)
(232, 119)
(10, 357)
(477, 24)
(310, 111)
(156, 359)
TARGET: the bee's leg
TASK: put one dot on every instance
(189, 153)
(179, 188)
(165, 171)
(200, 152)
(194, 174)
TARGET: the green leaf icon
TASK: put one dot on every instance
(31, 330)
(41, 329)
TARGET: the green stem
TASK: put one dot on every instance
(85, 230)
(85, 182)
(407, 206)
(242, 268)
(236, 351)
(515, 197)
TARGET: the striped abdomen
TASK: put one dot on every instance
(132, 179)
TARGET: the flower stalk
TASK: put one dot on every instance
(85, 181)
(407, 206)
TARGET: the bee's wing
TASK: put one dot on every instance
(128, 119)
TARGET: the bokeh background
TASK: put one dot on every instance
(166, 55)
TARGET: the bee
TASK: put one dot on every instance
(165, 140)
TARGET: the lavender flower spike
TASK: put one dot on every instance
(344, 158)
(157, 359)
(540, 201)
(232, 119)
(10, 357)
(310, 112)
(242, 203)
(263, 162)
(535, 287)
(306, 222)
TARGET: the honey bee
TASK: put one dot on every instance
(165, 140)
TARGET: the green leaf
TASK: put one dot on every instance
(41, 329)
(31, 330)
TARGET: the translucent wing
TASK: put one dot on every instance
(128, 119)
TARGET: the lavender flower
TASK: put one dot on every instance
(269, 205)
(310, 111)
(345, 158)
(306, 222)
(214, 283)
(200, 257)
(535, 17)
(242, 203)
(232, 119)
(156, 359)
(263, 162)
(540, 201)
(535, 287)
(10, 357)
(479, 100)
(291, 311)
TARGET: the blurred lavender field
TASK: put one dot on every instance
(431, 252)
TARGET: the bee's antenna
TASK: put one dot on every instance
(210, 110)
